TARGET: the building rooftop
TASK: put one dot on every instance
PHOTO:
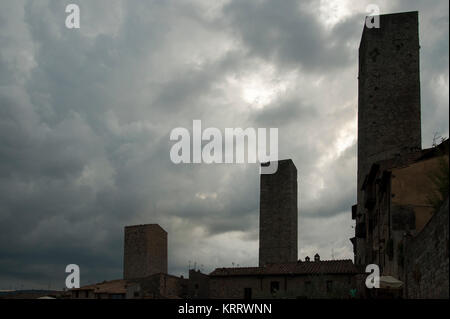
(406, 160)
(345, 266)
(117, 286)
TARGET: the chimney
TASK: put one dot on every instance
(316, 257)
(307, 258)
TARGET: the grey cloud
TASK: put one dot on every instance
(285, 32)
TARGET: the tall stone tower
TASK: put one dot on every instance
(145, 251)
(278, 215)
(388, 97)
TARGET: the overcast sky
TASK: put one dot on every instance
(86, 114)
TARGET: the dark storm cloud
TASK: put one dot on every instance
(288, 33)
(85, 118)
(285, 112)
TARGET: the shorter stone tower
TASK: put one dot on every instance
(278, 215)
(145, 251)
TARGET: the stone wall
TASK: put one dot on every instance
(427, 259)
(157, 286)
(198, 285)
(290, 286)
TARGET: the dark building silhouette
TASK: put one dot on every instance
(145, 251)
(302, 279)
(278, 215)
(407, 222)
(402, 195)
(388, 100)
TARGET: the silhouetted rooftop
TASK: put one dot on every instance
(345, 266)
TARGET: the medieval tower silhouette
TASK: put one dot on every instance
(388, 99)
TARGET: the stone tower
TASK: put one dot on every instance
(145, 251)
(278, 215)
(388, 97)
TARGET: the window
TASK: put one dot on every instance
(329, 286)
(274, 286)
(247, 293)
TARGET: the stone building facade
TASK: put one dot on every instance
(157, 286)
(278, 215)
(427, 259)
(198, 285)
(302, 279)
(398, 206)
